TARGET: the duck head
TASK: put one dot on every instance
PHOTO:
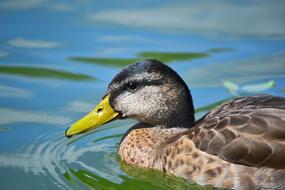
(148, 91)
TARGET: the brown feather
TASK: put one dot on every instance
(249, 131)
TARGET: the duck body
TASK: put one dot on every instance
(237, 145)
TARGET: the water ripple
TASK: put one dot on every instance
(56, 157)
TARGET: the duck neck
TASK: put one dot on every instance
(183, 114)
(183, 118)
(179, 116)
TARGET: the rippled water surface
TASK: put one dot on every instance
(57, 58)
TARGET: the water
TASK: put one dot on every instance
(57, 58)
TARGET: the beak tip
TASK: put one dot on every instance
(66, 134)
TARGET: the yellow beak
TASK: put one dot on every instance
(100, 115)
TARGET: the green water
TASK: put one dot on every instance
(57, 58)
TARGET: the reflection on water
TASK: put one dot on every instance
(9, 91)
(52, 158)
(10, 116)
(42, 73)
(115, 62)
(3, 129)
(258, 68)
(79, 106)
(236, 90)
(140, 179)
(44, 85)
(41, 158)
(166, 57)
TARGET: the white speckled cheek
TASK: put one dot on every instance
(143, 102)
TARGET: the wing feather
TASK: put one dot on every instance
(249, 131)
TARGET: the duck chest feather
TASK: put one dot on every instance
(171, 151)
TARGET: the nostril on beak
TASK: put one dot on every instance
(99, 110)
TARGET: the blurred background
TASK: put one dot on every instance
(57, 58)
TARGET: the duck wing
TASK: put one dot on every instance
(248, 131)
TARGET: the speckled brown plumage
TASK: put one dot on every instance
(239, 145)
(248, 131)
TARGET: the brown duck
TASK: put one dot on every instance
(238, 145)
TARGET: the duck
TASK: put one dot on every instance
(239, 144)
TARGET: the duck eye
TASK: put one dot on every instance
(132, 85)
